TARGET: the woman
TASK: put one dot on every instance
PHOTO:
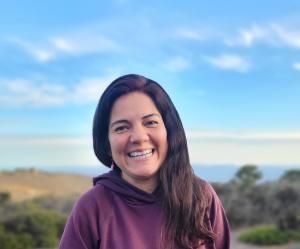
(151, 197)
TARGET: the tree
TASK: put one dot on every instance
(292, 175)
(286, 205)
(247, 176)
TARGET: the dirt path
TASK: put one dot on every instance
(235, 244)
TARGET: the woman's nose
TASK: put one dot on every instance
(139, 135)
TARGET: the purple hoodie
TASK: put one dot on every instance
(116, 215)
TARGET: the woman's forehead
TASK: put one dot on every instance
(135, 104)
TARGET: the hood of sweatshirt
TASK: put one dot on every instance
(135, 196)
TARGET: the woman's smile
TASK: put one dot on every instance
(141, 154)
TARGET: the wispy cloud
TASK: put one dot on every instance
(296, 66)
(177, 64)
(18, 92)
(229, 62)
(42, 55)
(41, 151)
(190, 34)
(38, 52)
(287, 36)
(213, 147)
(82, 43)
(271, 33)
(77, 150)
(69, 44)
(62, 44)
(245, 136)
(248, 36)
(45, 140)
(89, 89)
(276, 153)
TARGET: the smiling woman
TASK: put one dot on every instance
(151, 197)
(138, 139)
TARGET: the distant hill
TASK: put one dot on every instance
(72, 181)
(31, 183)
(211, 173)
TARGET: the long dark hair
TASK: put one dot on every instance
(185, 198)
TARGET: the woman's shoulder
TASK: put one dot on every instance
(207, 187)
(92, 194)
(216, 215)
(96, 199)
(214, 204)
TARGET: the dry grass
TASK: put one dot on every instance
(29, 184)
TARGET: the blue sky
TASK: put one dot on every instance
(232, 69)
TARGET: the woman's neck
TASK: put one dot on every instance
(147, 185)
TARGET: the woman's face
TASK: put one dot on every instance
(138, 139)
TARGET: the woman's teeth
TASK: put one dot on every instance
(141, 154)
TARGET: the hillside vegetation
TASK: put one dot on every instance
(29, 184)
(34, 206)
(272, 209)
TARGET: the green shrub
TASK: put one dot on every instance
(44, 226)
(294, 235)
(9, 240)
(26, 240)
(265, 235)
(4, 197)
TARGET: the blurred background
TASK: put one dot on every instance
(231, 68)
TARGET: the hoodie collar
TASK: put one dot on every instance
(113, 181)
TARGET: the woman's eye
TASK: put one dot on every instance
(120, 129)
(151, 123)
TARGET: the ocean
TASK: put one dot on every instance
(211, 173)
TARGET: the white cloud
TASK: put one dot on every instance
(271, 33)
(90, 89)
(42, 55)
(39, 53)
(82, 43)
(224, 147)
(18, 92)
(46, 140)
(205, 148)
(249, 36)
(242, 153)
(76, 43)
(41, 151)
(287, 36)
(176, 64)
(244, 136)
(190, 34)
(296, 66)
(229, 62)
(62, 44)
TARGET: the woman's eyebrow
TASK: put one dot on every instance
(150, 115)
